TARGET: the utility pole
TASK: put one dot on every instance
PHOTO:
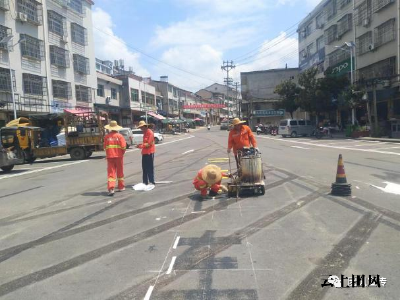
(236, 100)
(227, 66)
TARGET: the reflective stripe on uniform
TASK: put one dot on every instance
(121, 179)
(203, 186)
(111, 179)
(114, 147)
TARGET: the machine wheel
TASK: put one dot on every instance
(262, 190)
(88, 154)
(78, 153)
(294, 134)
(7, 169)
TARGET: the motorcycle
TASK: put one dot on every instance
(323, 132)
(208, 127)
(258, 130)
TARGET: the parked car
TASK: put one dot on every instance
(295, 128)
(224, 125)
(128, 136)
(138, 136)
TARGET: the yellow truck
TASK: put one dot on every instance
(77, 133)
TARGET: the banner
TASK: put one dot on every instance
(196, 106)
(269, 113)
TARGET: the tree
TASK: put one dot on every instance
(289, 92)
(308, 86)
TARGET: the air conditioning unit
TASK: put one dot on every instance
(64, 39)
(371, 47)
(386, 83)
(366, 22)
(22, 17)
(304, 54)
(303, 34)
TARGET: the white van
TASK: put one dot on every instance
(295, 128)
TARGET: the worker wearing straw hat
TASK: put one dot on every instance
(209, 178)
(240, 137)
(115, 146)
(148, 150)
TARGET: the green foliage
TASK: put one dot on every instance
(351, 97)
(288, 91)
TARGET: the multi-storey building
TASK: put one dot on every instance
(50, 53)
(259, 97)
(368, 29)
(170, 97)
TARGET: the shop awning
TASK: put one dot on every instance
(156, 116)
(198, 119)
(77, 111)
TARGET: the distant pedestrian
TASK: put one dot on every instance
(148, 149)
(115, 146)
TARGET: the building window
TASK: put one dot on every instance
(330, 34)
(113, 93)
(331, 9)
(384, 33)
(363, 43)
(381, 70)
(82, 93)
(31, 9)
(310, 49)
(76, 5)
(345, 24)
(134, 95)
(5, 82)
(31, 47)
(379, 4)
(337, 57)
(4, 5)
(4, 32)
(79, 34)
(33, 84)
(61, 89)
(320, 20)
(100, 90)
(59, 57)
(81, 64)
(343, 3)
(320, 43)
(57, 23)
(363, 12)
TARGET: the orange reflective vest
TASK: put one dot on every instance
(240, 139)
(148, 146)
(114, 144)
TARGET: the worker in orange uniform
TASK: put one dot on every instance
(240, 137)
(115, 146)
(148, 149)
(209, 178)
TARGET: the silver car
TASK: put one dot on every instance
(295, 128)
(128, 136)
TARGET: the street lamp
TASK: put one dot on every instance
(351, 47)
(6, 40)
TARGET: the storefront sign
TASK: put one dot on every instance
(340, 69)
(204, 106)
(269, 113)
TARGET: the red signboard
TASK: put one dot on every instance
(196, 106)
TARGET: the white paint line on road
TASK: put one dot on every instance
(44, 169)
(299, 147)
(176, 242)
(188, 152)
(333, 147)
(387, 148)
(149, 291)
(392, 188)
(171, 265)
(198, 212)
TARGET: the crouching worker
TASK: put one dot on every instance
(209, 178)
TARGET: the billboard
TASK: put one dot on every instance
(204, 106)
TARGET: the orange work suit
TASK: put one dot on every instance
(202, 186)
(241, 139)
(115, 146)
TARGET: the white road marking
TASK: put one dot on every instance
(44, 169)
(392, 188)
(176, 242)
(188, 151)
(387, 148)
(299, 147)
(333, 147)
(149, 291)
(171, 265)
(198, 212)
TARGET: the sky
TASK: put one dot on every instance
(188, 40)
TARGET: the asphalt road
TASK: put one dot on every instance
(62, 237)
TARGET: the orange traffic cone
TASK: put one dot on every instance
(341, 187)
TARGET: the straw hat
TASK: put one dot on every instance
(211, 174)
(113, 126)
(142, 123)
(236, 121)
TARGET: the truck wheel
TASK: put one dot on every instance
(7, 169)
(78, 153)
(262, 190)
(88, 154)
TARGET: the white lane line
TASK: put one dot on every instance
(171, 265)
(333, 147)
(176, 242)
(188, 151)
(44, 169)
(387, 148)
(149, 291)
(299, 147)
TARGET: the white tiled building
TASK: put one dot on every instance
(51, 55)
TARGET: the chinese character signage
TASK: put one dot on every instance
(362, 281)
(269, 113)
(204, 106)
